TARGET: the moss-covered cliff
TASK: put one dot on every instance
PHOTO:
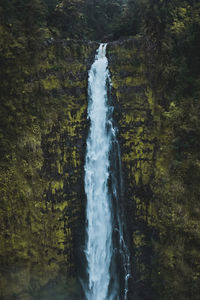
(137, 136)
(158, 135)
(41, 176)
(41, 170)
(43, 128)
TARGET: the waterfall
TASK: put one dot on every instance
(105, 246)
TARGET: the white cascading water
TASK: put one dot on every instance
(99, 211)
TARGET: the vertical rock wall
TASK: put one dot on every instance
(158, 135)
(42, 165)
(137, 136)
(42, 195)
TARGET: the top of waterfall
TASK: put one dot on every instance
(102, 50)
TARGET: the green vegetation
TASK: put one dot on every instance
(156, 81)
(44, 56)
(42, 117)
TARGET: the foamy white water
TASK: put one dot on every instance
(102, 284)
(99, 229)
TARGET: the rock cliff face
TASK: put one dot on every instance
(134, 113)
(161, 173)
(42, 208)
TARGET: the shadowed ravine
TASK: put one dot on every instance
(106, 253)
